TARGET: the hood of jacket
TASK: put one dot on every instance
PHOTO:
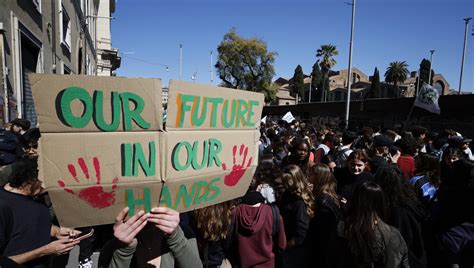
(249, 219)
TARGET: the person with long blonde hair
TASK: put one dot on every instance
(297, 208)
(327, 214)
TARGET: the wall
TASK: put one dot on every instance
(456, 113)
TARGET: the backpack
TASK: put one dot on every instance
(275, 227)
(340, 158)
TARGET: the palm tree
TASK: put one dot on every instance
(396, 72)
(326, 54)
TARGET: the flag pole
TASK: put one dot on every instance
(409, 114)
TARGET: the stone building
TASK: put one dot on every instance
(55, 37)
(360, 86)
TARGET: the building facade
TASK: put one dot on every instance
(46, 36)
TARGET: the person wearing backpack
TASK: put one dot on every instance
(343, 151)
(258, 232)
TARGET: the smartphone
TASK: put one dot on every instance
(83, 236)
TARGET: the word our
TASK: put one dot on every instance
(210, 154)
(198, 109)
(93, 109)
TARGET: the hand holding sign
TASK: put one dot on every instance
(237, 170)
(93, 195)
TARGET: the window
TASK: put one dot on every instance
(37, 4)
(65, 26)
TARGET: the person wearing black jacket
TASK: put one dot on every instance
(405, 212)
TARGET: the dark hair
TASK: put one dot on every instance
(364, 212)
(23, 123)
(397, 190)
(26, 173)
(428, 165)
(407, 145)
(348, 137)
(418, 131)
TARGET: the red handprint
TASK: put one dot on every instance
(93, 195)
(237, 170)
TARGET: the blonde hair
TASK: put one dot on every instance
(295, 182)
(213, 221)
(323, 181)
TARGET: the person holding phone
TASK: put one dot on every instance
(26, 231)
(145, 239)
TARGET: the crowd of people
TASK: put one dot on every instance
(323, 197)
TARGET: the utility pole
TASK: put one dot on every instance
(431, 65)
(310, 80)
(180, 61)
(349, 70)
(463, 53)
(210, 68)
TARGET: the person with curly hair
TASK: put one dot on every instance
(427, 178)
(297, 208)
(212, 230)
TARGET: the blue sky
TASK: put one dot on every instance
(148, 33)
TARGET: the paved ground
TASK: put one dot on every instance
(73, 263)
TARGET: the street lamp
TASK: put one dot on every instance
(349, 70)
(431, 65)
(463, 53)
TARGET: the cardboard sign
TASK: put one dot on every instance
(101, 148)
(192, 106)
(68, 103)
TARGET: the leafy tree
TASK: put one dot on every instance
(316, 78)
(298, 83)
(245, 64)
(396, 73)
(375, 87)
(270, 93)
(326, 55)
(425, 71)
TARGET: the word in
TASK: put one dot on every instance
(133, 157)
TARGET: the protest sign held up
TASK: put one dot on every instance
(103, 148)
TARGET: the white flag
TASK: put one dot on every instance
(264, 120)
(428, 99)
(288, 117)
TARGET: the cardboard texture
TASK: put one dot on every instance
(188, 194)
(206, 152)
(69, 103)
(72, 211)
(92, 168)
(193, 106)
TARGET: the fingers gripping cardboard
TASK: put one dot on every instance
(103, 148)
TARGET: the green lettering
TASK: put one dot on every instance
(225, 109)
(215, 102)
(241, 111)
(205, 154)
(250, 122)
(127, 154)
(213, 190)
(215, 147)
(66, 115)
(139, 159)
(166, 197)
(132, 202)
(185, 196)
(195, 118)
(183, 107)
(175, 156)
(133, 114)
(99, 111)
(201, 192)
